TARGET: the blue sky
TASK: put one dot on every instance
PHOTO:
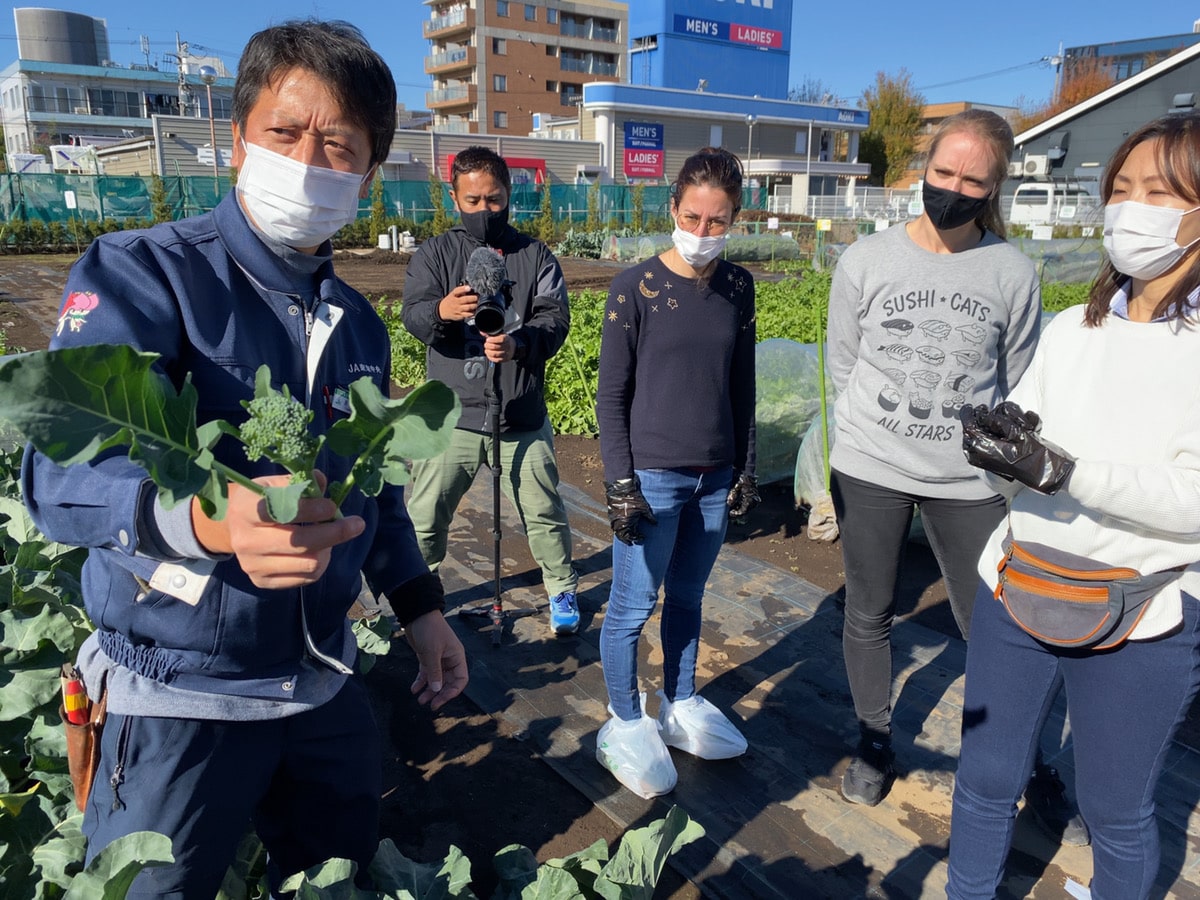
(982, 52)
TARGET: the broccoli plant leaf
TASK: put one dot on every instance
(76, 402)
(283, 501)
(383, 434)
(634, 869)
(117, 865)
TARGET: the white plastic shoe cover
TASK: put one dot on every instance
(697, 727)
(635, 753)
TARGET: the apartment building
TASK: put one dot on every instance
(496, 63)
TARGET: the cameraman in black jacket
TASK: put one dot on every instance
(439, 309)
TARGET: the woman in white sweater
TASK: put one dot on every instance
(1116, 384)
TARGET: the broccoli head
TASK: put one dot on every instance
(277, 429)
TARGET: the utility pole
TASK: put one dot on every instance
(185, 89)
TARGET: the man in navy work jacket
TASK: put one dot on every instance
(224, 645)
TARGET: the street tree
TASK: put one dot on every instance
(1086, 78)
(890, 141)
(811, 90)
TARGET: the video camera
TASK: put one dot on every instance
(486, 277)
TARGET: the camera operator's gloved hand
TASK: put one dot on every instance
(1002, 441)
(743, 496)
(626, 507)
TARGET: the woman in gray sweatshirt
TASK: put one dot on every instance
(923, 318)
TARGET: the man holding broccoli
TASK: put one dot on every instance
(223, 645)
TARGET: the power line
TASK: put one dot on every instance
(1036, 62)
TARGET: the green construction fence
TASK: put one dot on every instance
(44, 198)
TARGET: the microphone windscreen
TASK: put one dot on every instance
(485, 272)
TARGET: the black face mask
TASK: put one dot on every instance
(949, 209)
(485, 225)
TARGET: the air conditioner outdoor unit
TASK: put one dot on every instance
(1016, 169)
(1037, 165)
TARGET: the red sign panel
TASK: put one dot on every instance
(641, 163)
(758, 37)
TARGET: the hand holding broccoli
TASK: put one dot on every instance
(276, 556)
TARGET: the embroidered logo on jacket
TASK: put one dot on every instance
(75, 310)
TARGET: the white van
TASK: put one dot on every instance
(1051, 203)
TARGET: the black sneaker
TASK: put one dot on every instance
(1046, 797)
(870, 773)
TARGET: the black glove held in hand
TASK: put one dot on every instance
(1004, 441)
(626, 506)
(743, 496)
(1007, 421)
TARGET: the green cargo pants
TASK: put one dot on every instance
(529, 480)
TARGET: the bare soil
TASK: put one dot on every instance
(461, 777)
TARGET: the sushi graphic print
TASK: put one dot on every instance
(930, 348)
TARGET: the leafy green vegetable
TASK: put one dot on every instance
(75, 403)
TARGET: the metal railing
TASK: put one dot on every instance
(449, 20)
(446, 95)
(448, 58)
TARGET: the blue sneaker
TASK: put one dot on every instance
(564, 613)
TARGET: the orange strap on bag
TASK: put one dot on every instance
(1071, 601)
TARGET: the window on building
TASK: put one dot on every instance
(500, 83)
(570, 94)
(530, 12)
(552, 87)
(716, 135)
(502, 8)
(499, 119)
(551, 51)
(499, 46)
(551, 15)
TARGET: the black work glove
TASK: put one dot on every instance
(1002, 441)
(1007, 421)
(743, 496)
(626, 507)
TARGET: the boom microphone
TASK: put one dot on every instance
(487, 277)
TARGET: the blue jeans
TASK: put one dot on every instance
(1125, 706)
(677, 554)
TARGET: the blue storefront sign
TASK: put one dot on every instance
(644, 154)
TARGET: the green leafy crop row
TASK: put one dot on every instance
(793, 308)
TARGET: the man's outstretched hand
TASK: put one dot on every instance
(442, 673)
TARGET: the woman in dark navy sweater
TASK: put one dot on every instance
(676, 412)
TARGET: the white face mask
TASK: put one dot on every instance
(1140, 239)
(294, 203)
(697, 251)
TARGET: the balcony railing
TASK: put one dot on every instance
(588, 31)
(451, 96)
(589, 67)
(455, 19)
(459, 57)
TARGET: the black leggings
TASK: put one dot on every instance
(873, 523)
